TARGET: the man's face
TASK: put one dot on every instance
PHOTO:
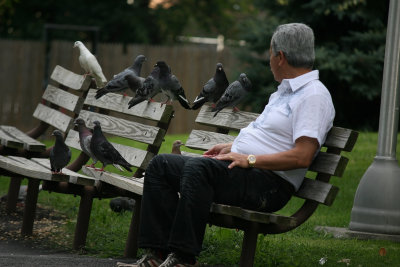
(273, 63)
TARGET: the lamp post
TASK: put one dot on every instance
(376, 207)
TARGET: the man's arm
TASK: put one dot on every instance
(301, 156)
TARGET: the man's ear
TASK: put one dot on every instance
(282, 58)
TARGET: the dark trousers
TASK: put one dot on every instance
(177, 222)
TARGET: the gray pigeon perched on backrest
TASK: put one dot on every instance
(90, 64)
(234, 94)
(60, 154)
(105, 151)
(85, 137)
(149, 88)
(119, 83)
(213, 89)
(171, 86)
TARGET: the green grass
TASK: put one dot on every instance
(301, 247)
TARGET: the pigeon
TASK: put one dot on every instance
(85, 136)
(234, 94)
(90, 64)
(119, 83)
(121, 204)
(171, 86)
(176, 147)
(213, 89)
(105, 151)
(149, 88)
(60, 154)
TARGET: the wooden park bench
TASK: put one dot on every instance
(22, 155)
(315, 191)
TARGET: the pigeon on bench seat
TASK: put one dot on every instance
(60, 154)
(90, 64)
(234, 94)
(105, 151)
(119, 83)
(213, 89)
(85, 137)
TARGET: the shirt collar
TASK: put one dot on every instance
(298, 82)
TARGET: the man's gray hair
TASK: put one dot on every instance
(296, 41)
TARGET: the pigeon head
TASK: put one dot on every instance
(96, 123)
(57, 134)
(140, 59)
(219, 67)
(163, 66)
(245, 82)
(77, 44)
(79, 121)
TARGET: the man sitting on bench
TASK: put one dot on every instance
(259, 171)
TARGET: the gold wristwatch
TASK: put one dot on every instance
(251, 159)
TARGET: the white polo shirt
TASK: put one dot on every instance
(300, 107)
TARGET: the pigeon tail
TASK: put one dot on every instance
(100, 92)
(135, 101)
(198, 102)
(184, 102)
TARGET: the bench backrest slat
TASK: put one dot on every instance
(70, 79)
(124, 128)
(119, 103)
(63, 98)
(53, 117)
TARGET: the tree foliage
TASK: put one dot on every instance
(350, 43)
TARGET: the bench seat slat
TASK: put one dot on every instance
(225, 118)
(53, 117)
(132, 130)
(203, 140)
(74, 177)
(9, 141)
(134, 185)
(117, 102)
(63, 99)
(27, 142)
(70, 79)
(249, 215)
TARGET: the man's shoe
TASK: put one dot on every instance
(148, 260)
(174, 261)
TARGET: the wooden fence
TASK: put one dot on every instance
(22, 70)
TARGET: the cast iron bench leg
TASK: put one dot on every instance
(30, 206)
(12, 195)
(82, 223)
(131, 246)
(249, 246)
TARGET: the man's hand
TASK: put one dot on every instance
(218, 150)
(238, 160)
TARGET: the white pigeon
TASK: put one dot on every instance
(90, 64)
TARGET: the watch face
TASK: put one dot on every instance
(252, 160)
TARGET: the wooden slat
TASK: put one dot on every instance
(319, 191)
(28, 142)
(134, 185)
(63, 99)
(74, 177)
(328, 163)
(117, 102)
(203, 140)
(341, 138)
(255, 216)
(136, 157)
(9, 141)
(53, 117)
(28, 168)
(225, 118)
(70, 79)
(124, 128)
